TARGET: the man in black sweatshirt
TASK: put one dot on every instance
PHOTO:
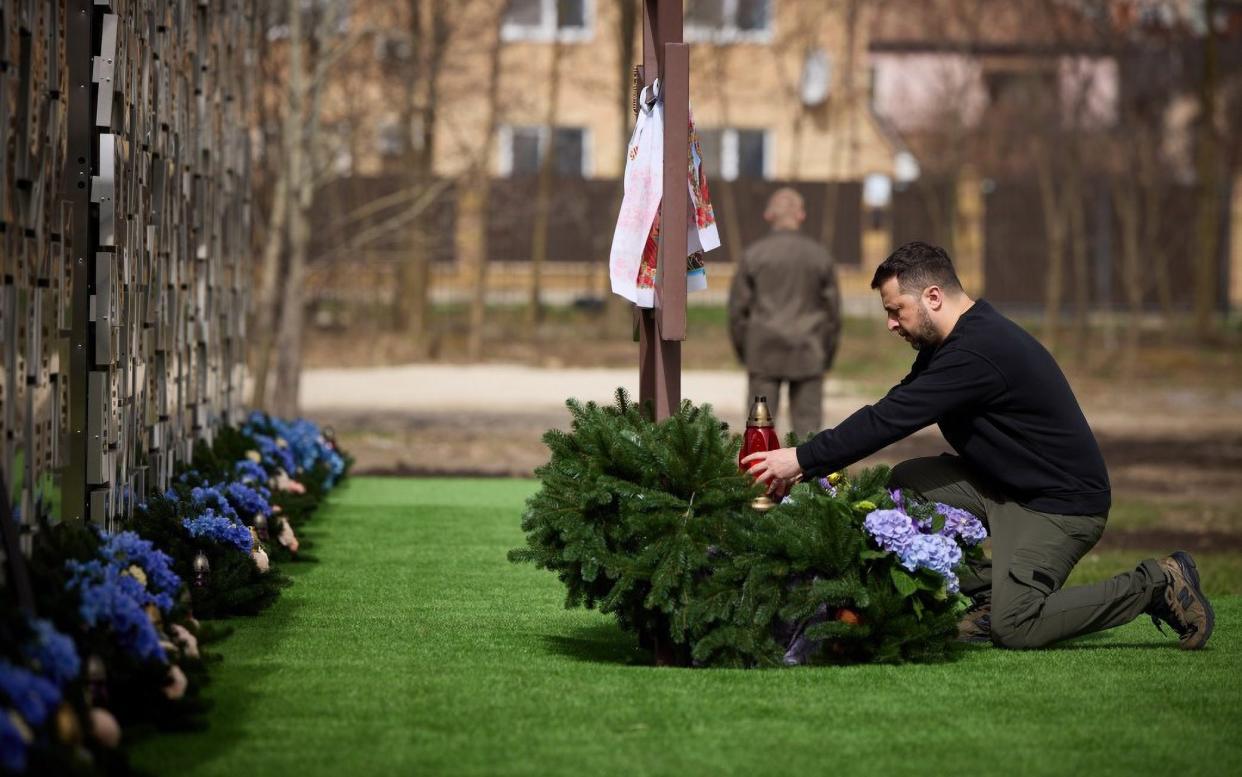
(1027, 465)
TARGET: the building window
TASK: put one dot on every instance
(728, 21)
(731, 153)
(389, 138)
(545, 20)
(522, 151)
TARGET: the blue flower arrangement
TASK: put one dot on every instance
(250, 473)
(52, 653)
(126, 549)
(221, 529)
(12, 746)
(274, 455)
(33, 698)
(114, 599)
(306, 446)
(248, 501)
(213, 499)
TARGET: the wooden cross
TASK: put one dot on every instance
(662, 329)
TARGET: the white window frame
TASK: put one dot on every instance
(547, 30)
(504, 135)
(728, 152)
(729, 32)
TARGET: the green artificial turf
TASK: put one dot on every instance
(414, 647)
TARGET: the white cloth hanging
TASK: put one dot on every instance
(644, 186)
(636, 241)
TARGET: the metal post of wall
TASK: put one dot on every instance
(76, 185)
(661, 330)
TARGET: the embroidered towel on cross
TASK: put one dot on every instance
(632, 263)
(644, 183)
(701, 233)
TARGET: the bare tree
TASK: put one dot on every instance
(429, 33)
(474, 200)
(1207, 181)
(543, 193)
(303, 156)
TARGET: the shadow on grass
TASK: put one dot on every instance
(1101, 640)
(228, 693)
(603, 643)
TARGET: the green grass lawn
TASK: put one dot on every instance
(414, 647)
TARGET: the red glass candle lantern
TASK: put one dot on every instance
(760, 436)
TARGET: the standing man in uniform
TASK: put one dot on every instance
(785, 314)
(1026, 463)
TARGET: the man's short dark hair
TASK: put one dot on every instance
(916, 266)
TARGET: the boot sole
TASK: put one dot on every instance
(1192, 572)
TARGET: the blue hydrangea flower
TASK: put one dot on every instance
(126, 548)
(219, 529)
(250, 472)
(212, 498)
(32, 696)
(12, 747)
(275, 455)
(54, 654)
(108, 598)
(248, 501)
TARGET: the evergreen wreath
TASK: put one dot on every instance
(652, 522)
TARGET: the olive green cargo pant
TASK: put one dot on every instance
(1032, 555)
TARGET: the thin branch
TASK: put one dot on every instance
(402, 219)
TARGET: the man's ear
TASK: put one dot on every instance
(933, 297)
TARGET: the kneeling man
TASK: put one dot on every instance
(1027, 464)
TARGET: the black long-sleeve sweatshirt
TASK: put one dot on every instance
(1003, 404)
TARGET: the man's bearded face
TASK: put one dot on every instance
(908, 317)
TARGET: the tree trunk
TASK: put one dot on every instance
(1207, 174)
(429, 35)
(472, 209)
(1054, 228)
(289, 331)
(1149, 198)
(1075, 206)
(476, 195)
(543, 197)
(1126, 195)
(267, 302)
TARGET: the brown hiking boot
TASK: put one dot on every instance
(976, 624)
(1182, 604)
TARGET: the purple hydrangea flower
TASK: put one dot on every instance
(961, 525)
(898, 499)
(937, 553)
(892, 530)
